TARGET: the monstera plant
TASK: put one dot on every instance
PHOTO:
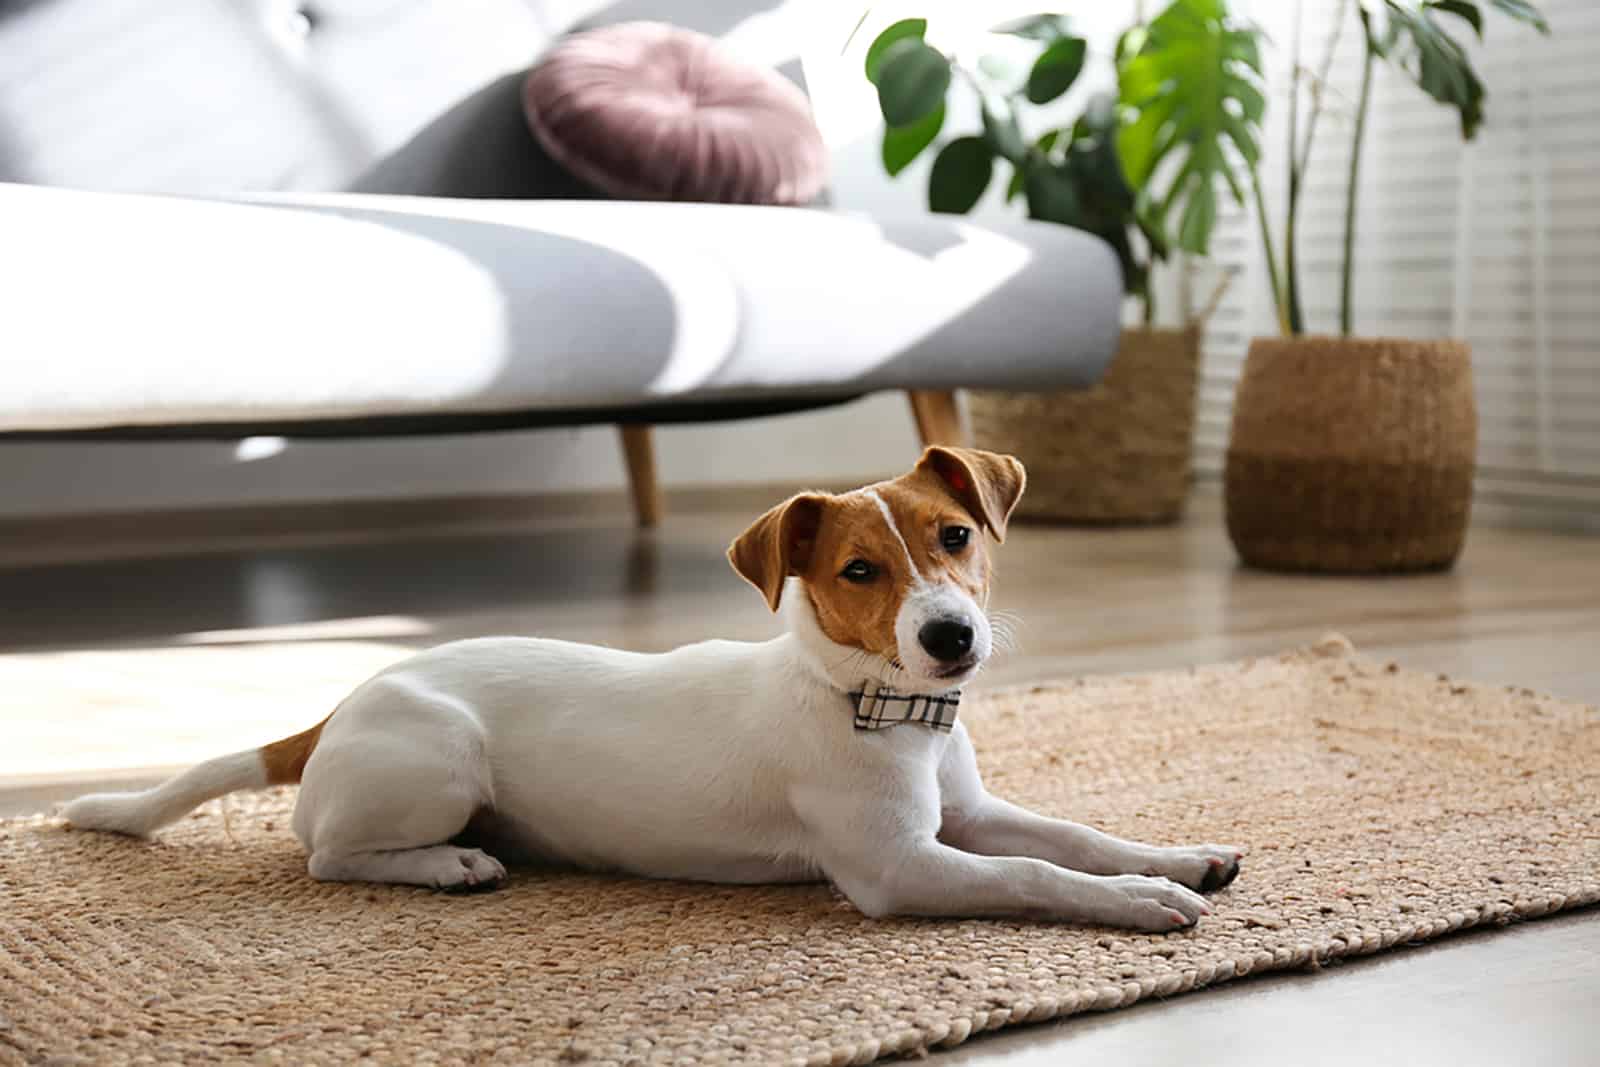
(1190, 83)
(1132, 166)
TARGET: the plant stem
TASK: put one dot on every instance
(1279, 300)
(1291, 265)
(855, 29)
(1346, 269)
(1196, 321)
(1319, 85)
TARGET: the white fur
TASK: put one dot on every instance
(140, 813)
(917, 580)
(719, 761)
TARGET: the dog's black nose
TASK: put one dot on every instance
(946, 640)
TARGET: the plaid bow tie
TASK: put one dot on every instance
(879, 707)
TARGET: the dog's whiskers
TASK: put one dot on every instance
(1004, 626)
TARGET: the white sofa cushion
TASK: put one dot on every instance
(151, 311)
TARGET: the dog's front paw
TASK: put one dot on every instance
(1158, 905)
(1205, 868)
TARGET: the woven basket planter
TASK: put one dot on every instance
(1118, 452)
(1352, 455)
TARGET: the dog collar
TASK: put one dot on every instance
(878, 707)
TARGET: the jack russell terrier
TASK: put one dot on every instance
(832, 751)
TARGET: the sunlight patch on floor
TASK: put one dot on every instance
(367, 628)
(84, 712)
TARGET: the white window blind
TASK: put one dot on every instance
(1497, 242)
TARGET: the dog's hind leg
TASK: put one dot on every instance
(399, 773)
(439, 866)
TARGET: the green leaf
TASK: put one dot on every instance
(1208, 10)
(1522, 12)
(904, 30)
(961, 172)
(1199, 216)
(1052, 197)
(1192, 97)
(1462, 9)
(1075, 178)
(1243, 138)
(1252, 103)
(1157, 238)
(1046, 28)
(1003, 136)
(902, 144)
(1038, 155)
(1413, 39)
(1056, 69)
(1433, 59)
(1146, 140)
(1245, 47)
(1093, 163)
(911, 82)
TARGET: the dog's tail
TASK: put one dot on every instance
(280, 763)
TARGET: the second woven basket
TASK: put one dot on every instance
(1118, 452)
(1352, 454)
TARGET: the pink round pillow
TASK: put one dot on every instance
(647, 111)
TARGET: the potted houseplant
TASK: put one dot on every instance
(1355, 454)
(1120, 451)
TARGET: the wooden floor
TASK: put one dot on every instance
(1522, 608)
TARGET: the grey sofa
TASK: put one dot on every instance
(175, 265)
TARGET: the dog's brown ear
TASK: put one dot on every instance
(987, 484)
(778, 544)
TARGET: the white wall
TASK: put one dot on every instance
(861, 441)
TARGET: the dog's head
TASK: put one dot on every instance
(891, 581)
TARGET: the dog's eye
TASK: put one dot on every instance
(858, 571)
(954, 538)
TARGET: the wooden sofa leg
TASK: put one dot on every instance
(638, 448)
(938, 420)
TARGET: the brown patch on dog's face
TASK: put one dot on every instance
(858, 576)
(860, 610)
(854, 563)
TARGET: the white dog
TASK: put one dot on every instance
(832, 751)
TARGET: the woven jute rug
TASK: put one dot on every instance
(1379, 807)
